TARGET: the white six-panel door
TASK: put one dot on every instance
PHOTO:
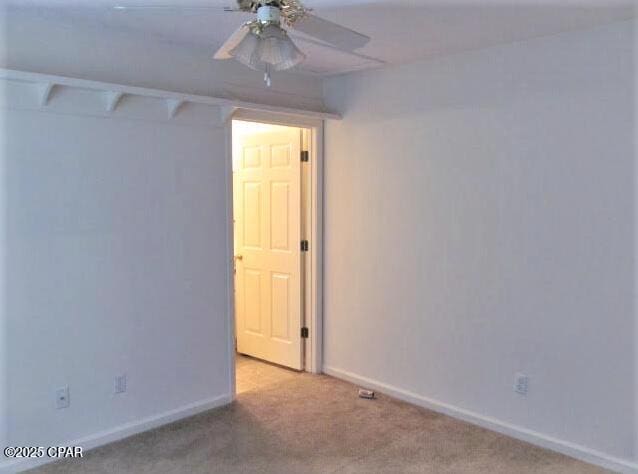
(267, 213)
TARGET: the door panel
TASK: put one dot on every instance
(267, 207)
(252, 301)
(280, 296)
(252, 214)
(251, 157)
(279, 218)
(280, 156)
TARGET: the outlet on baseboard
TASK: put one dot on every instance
(62, 397)
(521, 383)
(120, 383)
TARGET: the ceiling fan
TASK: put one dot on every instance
(263, 44)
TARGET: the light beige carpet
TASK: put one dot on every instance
(287, 422)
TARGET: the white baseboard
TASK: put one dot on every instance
(565, 447)
(122, 431)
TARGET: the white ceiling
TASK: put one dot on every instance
(401, 30)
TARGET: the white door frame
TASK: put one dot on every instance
(314, 258)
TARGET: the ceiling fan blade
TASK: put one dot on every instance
(337, 35)
(231, 42)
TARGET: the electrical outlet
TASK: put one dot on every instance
(62, 398)
(120, 383)
(521, 383)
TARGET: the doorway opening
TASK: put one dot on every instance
(276, 246)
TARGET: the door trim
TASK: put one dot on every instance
(313, 297)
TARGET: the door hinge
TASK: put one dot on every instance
(304, 245)
(304, 333)
(305, 156)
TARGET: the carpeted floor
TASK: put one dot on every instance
(288, 422)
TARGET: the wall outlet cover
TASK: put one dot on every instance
(62, 397)
(120, 383)
(521, 383)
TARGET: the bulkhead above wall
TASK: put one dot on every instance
(64, 95)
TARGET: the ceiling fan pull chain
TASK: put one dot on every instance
(267, 78)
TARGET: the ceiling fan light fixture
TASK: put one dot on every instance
(245, 51)
(277, 49)
(267, 47)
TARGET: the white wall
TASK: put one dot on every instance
(113, 229)
(115, 241)
(479, 221)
